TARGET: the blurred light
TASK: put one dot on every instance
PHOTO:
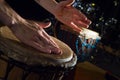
(93, 4)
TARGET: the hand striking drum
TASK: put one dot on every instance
(18, 54)
(38, 41)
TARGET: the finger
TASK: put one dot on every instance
(42, 37)
(44, 25)
(35, 44)
(39, 41)
(46, 40)
(55, 50)
(75, 27)
(51, 41)
(89, 21)
(86, 21)
(41, 48)
(50, 48)
(79, 14)
(54, 47)
(81, 24)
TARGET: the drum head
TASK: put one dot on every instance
(13, 48)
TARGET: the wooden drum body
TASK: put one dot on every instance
(28, 59)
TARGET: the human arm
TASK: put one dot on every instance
(65, 13)
(27, 32)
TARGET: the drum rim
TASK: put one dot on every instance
(58, 61)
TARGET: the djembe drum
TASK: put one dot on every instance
(84, 44)
(22, 62)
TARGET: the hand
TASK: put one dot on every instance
(70, 16)
(33, 34)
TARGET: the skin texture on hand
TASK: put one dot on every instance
(65, 13)
(28, 32)
(71, 17)
(34, 35)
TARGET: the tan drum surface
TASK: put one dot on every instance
(13, 48)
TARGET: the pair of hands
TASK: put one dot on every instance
(33, 34)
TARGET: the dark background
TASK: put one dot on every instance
(30, 9)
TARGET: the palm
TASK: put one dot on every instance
(71, 17)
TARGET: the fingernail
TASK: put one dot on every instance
(60, 52)
(87, 26)
(86, 19)
(57, 51)
(48, 51)
(90, 22)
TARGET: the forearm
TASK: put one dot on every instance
(49, 5)
(7, 15)
(52, 6)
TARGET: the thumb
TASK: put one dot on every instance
(44, 24)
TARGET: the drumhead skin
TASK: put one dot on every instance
(13, 48)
